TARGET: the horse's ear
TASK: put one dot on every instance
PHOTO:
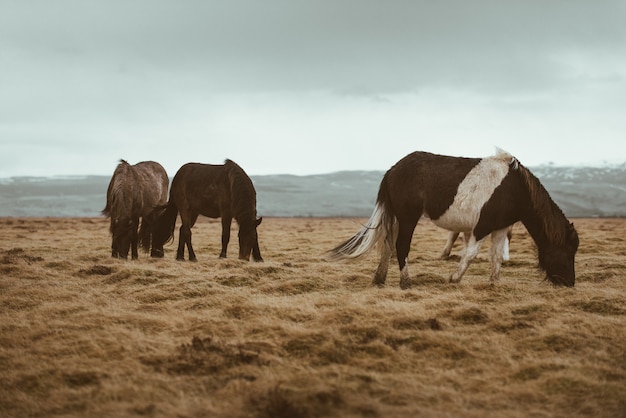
(258, 221)
(571, 229)
(157, 211)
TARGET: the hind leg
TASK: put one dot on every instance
(403, 244)
(471, 251)
(134, 239)
(383, 266)
(447, 249)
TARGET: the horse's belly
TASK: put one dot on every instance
(458, 221)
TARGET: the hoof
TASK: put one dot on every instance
(452, 280)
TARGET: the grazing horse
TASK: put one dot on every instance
(214, 191)
(452, 237)
(480, 196)
(134, 191)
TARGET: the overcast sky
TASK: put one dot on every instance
(307, 86)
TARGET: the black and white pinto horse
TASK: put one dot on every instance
(453, 236)
(477, 196)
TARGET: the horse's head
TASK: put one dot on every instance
(162, 229)
(122, 229)
(558, 261)
(249, 241)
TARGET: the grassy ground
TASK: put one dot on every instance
(82, 334)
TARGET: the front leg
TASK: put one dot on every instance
(226, 223)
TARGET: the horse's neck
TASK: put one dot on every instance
(534, 223)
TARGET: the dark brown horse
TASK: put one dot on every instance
(214, 191)
(476, 196)
(134, 191)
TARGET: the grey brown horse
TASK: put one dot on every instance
(134, 191)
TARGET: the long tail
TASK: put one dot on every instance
(380, 229)
(164, 224)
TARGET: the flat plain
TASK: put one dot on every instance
(82, 334)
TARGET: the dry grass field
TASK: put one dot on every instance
(297, 336)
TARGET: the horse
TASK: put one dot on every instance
(479, 196)
(133, 192)
(214, 191)
(452, 237)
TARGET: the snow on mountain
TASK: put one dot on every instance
(579, 191)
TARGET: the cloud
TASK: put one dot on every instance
(341, 45)
(318, 85)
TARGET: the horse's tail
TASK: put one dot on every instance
(107, 210)
(111, 190)
(164, 218)
(380, 229)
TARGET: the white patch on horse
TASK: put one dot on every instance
(473, 192)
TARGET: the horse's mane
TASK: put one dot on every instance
(243, 195)
(554, 221)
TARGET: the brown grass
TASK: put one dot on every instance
(297, 336)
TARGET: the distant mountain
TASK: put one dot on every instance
(586, 191)
(579, 191)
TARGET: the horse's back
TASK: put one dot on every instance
(153, 182)
(426, 183)
(194, 177)
(135, 190)
(454, 192)
(200, 188)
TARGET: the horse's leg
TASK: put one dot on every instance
(505, 251)
(134, 238)
(226, 223)
(447, 249)
(114, 251)
(383, 266)
(471, 251)
(403, 244)
(184, 235)
(509, 233)
(498, 241)
(192, 221)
